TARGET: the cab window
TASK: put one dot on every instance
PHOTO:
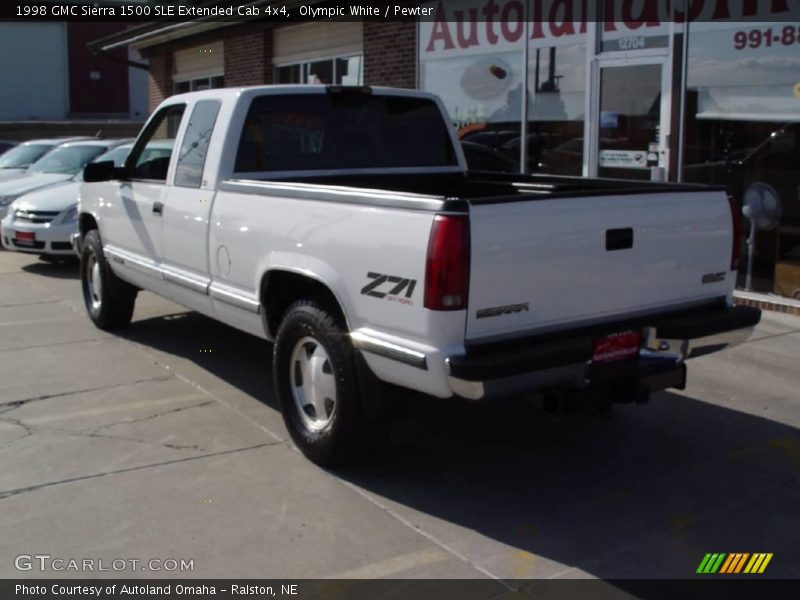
(194, 148)
(150, 157)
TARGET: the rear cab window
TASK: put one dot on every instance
(194, 148)
(301, 132)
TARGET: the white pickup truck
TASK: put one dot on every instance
(343, 225)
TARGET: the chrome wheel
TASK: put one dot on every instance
(313, 383)
(94, 282)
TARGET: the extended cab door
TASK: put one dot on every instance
(132, 213)
(188, 204)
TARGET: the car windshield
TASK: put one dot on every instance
(68, 160)
(117, 155)
(23, 156)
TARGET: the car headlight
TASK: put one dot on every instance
(70, 215)
(6, 200)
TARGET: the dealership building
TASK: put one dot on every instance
(674, 90)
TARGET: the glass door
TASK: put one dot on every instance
(631, 121)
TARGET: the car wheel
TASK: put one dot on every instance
(109, 300)
(317, 386)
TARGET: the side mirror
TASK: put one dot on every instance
(101, 171)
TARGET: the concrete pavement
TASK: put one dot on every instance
(165, 442)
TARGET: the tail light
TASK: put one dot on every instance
(447, 265)
(736, 217)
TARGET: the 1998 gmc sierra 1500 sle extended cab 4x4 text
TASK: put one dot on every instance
(342, 224)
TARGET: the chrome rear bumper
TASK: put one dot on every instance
(565, 359)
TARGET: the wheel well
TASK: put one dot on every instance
(280, 289)
(86, 223)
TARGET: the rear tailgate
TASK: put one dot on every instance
(560, 262)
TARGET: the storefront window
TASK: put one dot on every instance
(557, 96)
(338, 71)
(477, 68)
(198, 84)
(472, 54)
(743, 131)
(483, 95)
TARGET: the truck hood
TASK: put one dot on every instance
(28, 183)
(53, 198)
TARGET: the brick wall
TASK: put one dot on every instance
(390, 58)
(390, 54)
(159, 77)
(248, 59)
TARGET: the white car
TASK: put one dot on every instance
(15, 162)
(43, 221)
(61, 164)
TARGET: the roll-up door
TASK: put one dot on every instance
(200, 65)
(312, 41)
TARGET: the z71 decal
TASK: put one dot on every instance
(390, 287)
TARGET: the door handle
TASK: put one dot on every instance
(158, 208)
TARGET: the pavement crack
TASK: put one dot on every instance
(122, 438)
(28, 431)
(6, 407)
(153, 416)
(54, 344)
(772, 337)
(4, 495)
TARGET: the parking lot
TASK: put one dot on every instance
(165, 442)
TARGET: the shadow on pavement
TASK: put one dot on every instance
(242, 360)
(67, 269)
(642, 494)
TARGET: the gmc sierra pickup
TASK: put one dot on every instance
(343, 225)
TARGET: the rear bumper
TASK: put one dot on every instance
(564, 358)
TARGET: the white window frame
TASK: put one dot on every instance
(191, 79)
(304, 63)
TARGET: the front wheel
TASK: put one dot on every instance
(317, 386)
(109, 300)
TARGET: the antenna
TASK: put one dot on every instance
(762, 206)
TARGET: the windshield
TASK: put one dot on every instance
(66, 159)
(23, 156)
(118, 155)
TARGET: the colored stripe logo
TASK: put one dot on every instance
(734, 563)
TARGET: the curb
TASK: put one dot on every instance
(767, 302)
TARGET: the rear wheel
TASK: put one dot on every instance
(109, 301)
(317, 386)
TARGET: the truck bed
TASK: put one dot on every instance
(485, 187)
(608, 249)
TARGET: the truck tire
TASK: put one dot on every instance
(109, 300)
(317, 386)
